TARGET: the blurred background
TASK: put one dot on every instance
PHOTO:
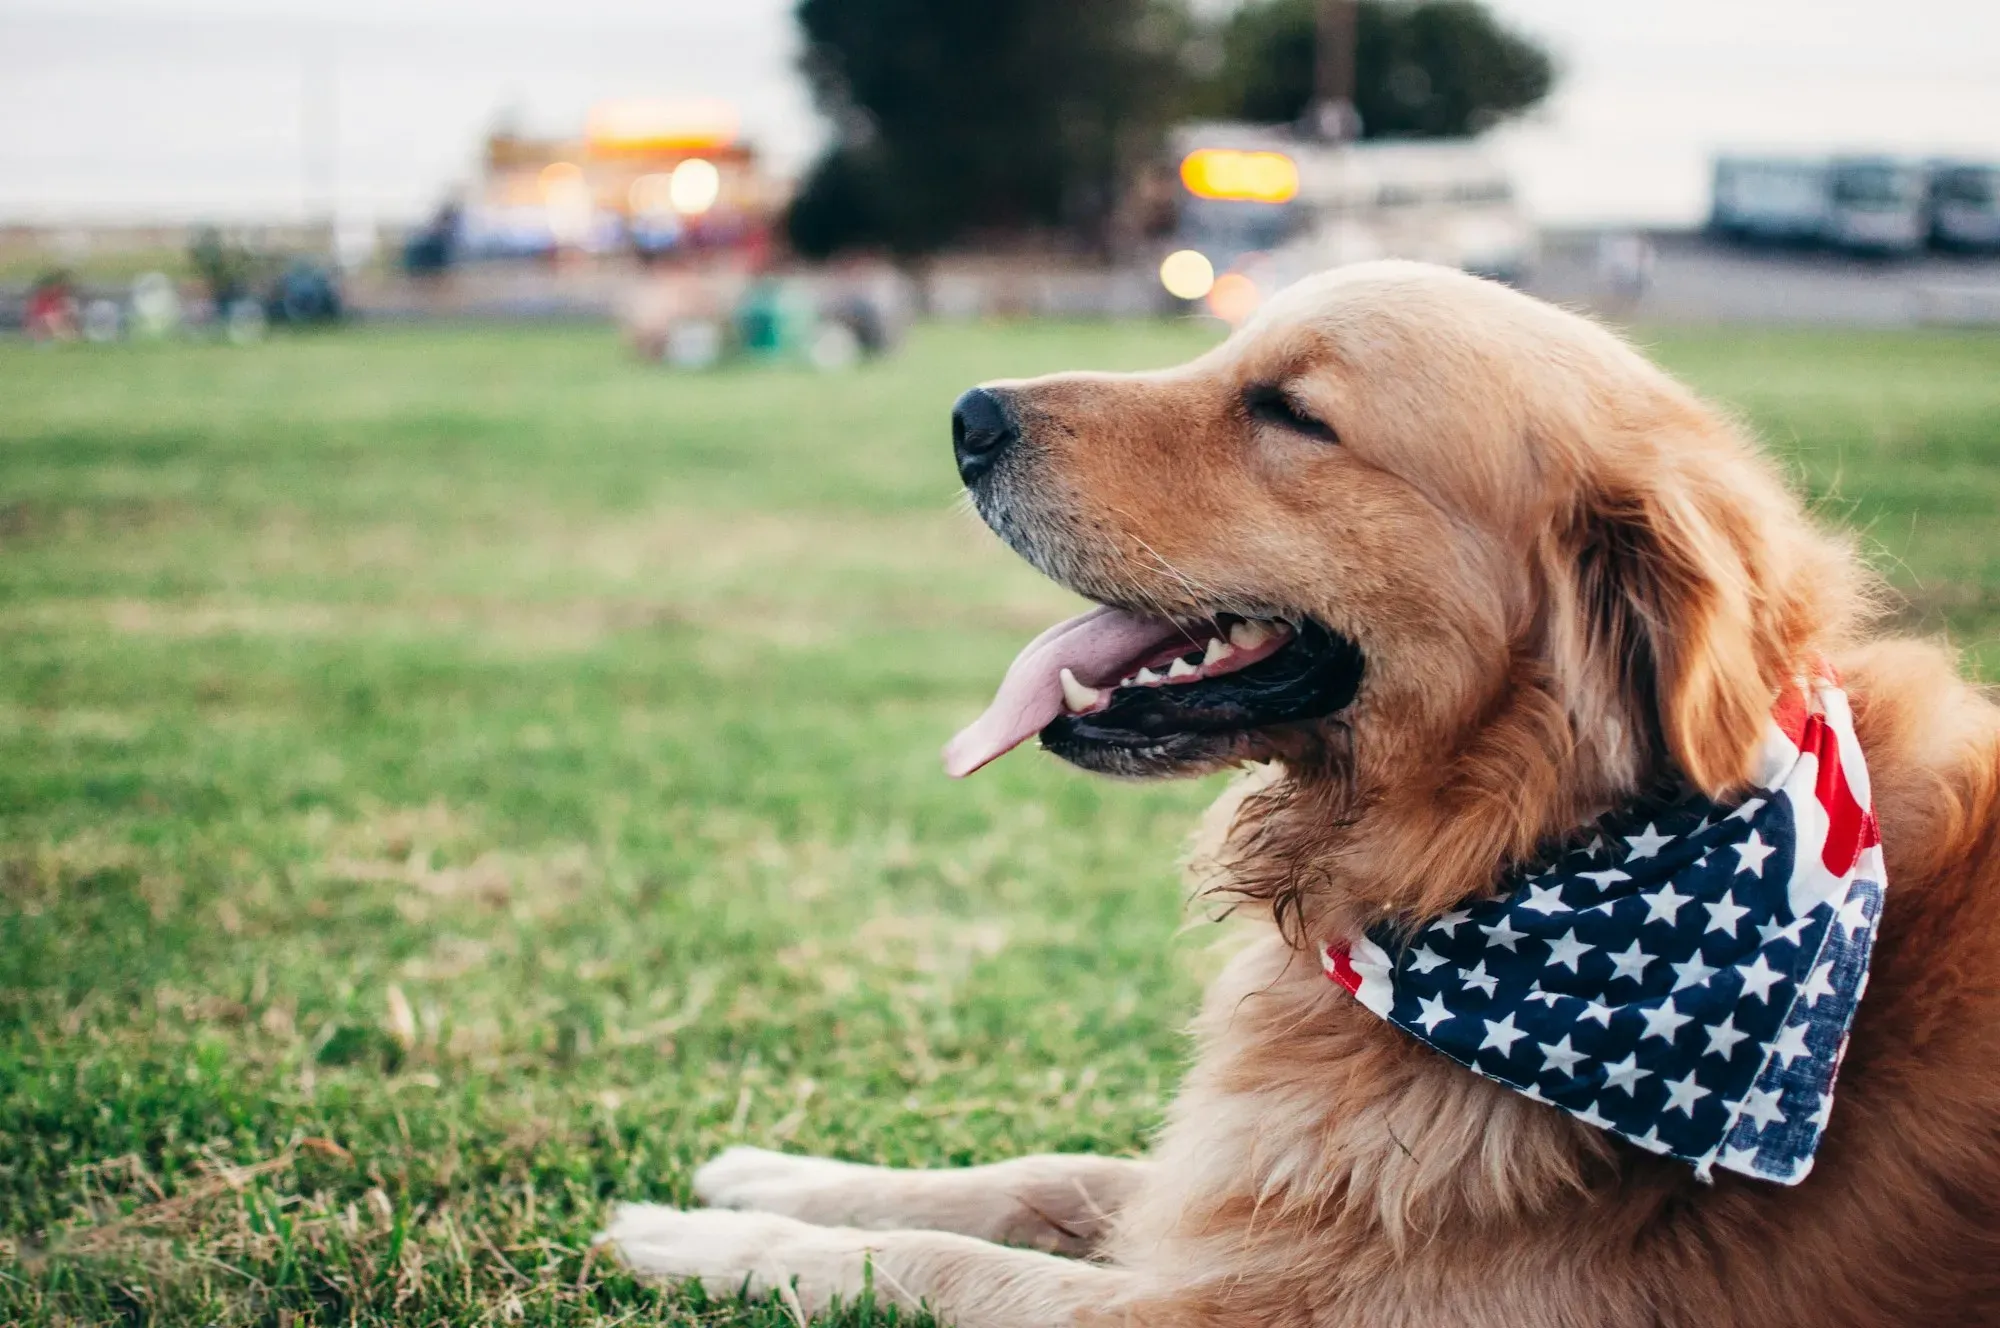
(483, 581)
(621, 159)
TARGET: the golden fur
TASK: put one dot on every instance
(1569, 576)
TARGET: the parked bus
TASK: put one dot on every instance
(1875, 205)
(1965, 205)
(1256, 208)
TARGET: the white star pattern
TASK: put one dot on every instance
(1647, 844)
(1566, 950)
(1605, 879)
(1759, 978)
(1682, 1094)
(1663, 1021)
(1691, 973)
(1477, 976)
(1665, 904)
(1725, 915)
(1748, 810)
(1502, 1034)
(1590, 1116)
(1750, 854)
(1790, 1044)
(1431, 1013)
(1738, 1159)
(1544, 899)
(1560, 1056)
(1853, 915)
(1624, 1074)
(1760, 1106)
(1631, 963)
(1502, 935)
(1791, 933)
(1723, 1037)
(1424, 960)
(1595, 846)
(1818, 985)
(1597, 1010)
(1822, 1113)
(1651, 1141)
(1450, 922)
(1548, 998)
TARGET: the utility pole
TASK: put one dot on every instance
(1333, 116)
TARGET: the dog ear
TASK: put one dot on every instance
(1675, 568)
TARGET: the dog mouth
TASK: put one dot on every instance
(1121, 692)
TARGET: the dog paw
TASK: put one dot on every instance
(726, 1252)
(756, 1178)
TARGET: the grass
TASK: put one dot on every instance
(450, 779)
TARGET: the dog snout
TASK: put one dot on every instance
(982, 428)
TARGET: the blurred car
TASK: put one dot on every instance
(1965, 205)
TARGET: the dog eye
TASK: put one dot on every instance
(1270, 405)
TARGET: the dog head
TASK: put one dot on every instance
(1465, 566)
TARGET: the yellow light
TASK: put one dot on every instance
(1234, 297)
(694, 186)
(1187, 274)
(1255, 177)
(559, 177)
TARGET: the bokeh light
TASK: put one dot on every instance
(694, 186)
(1255, 177)
(1187, 274)
(1234, 297)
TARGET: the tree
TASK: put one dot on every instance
(953, 116)
(1429, 69)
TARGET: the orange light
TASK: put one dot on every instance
(1234, 297)
(642, 125)
(1253, 177)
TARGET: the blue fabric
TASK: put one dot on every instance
(1653, 982)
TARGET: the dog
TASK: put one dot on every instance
(1458, 571)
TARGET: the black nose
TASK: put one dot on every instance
(981, 429)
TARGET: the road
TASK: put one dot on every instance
(1696, 280)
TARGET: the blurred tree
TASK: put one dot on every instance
(1429, 69)
(953, 117)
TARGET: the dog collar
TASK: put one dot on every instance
(1686, 978)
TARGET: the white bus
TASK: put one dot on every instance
(1965, 205)
(1256, 208)
(1874, 205)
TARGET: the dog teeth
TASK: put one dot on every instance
(1076, 696)
(1180, 668)
(1217, 649)
(1145, 677)
(1249, 635)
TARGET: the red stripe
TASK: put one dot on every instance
(1343, 968)
(1850, 826)
(1791, 714)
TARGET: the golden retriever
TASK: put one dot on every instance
(1520, 574)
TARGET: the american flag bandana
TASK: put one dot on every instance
(1686, 978)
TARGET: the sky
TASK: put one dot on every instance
(258, 109)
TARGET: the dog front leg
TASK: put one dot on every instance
(966, 1282)
(1059, 1202)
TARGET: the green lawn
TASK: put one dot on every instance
(450, 779)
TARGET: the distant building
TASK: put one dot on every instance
(647, 176)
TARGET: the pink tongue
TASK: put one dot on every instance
(1095, 646)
